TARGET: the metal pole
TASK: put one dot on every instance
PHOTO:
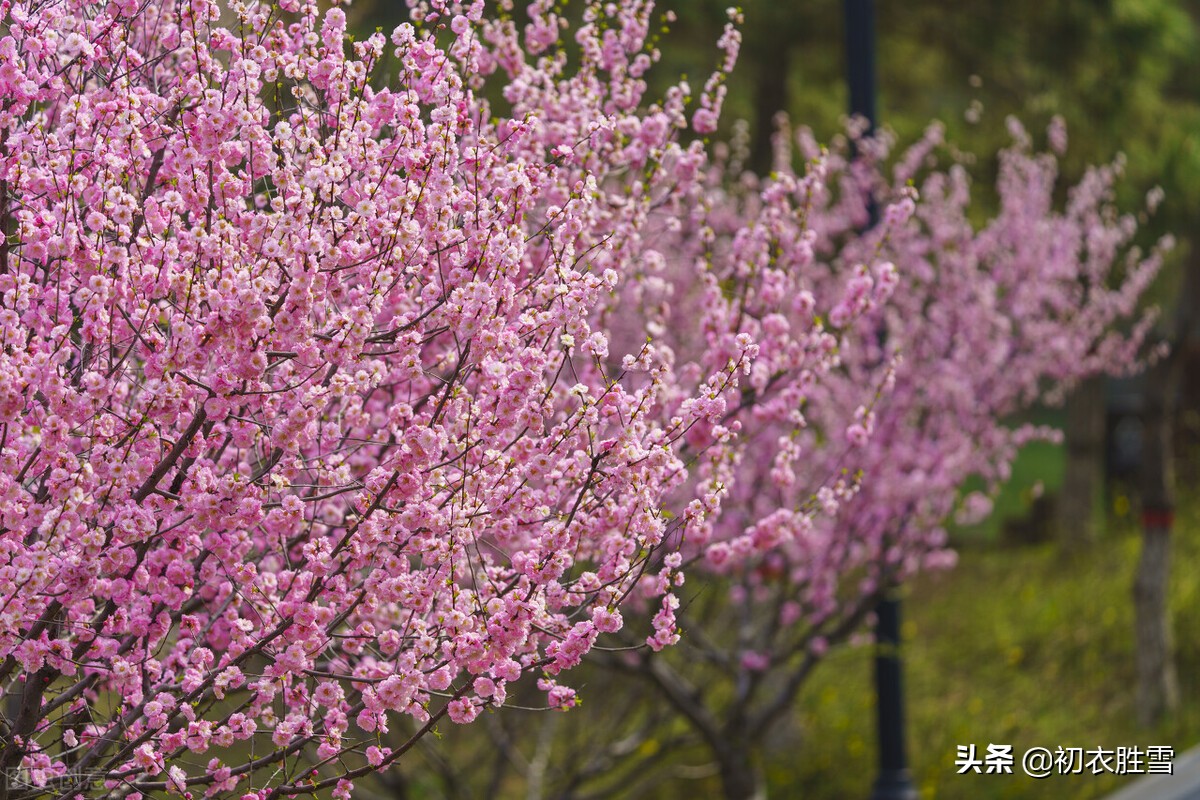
(894, 781)
(860, 58)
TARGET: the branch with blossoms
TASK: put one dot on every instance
(330, 408)
(981, 323)
(297, 437)
(985, 322)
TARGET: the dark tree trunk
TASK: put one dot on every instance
(1157, 684)
(1083, 477)
(740, 779)
(1157, 688)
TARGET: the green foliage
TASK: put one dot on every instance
(1125, 74)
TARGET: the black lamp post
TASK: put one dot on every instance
(860, 58)
(894, 781)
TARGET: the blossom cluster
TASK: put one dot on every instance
(322, 407)
(940, 324)
(981, 322)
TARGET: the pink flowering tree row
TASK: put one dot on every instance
(986, 321)
(982, 321)
(334, 400)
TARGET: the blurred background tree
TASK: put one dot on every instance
(1124, 74)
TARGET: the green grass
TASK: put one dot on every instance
(1014, 646)
(1037, 469)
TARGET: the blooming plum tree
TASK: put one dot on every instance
(316, 414)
